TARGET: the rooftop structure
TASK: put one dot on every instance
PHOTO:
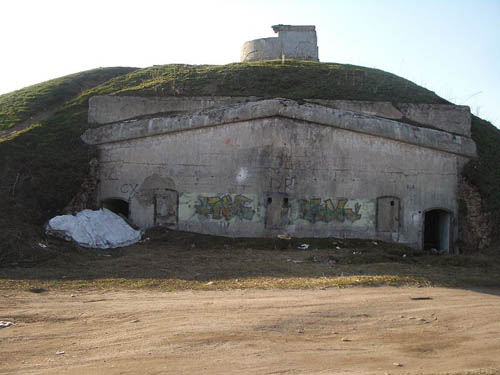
(293, 42)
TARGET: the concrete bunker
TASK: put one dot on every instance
(117, 205)
(293, 42)
(437, 230)
(255, 168)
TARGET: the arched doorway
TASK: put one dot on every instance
(437, 230)
(118, 206)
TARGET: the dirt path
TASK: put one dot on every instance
(354, 330)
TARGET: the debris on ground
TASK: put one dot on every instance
(43, 246)
(94, 229)
(420, 298)
(304, 246)
(283, 241)
(59, 352)
(5, 324)
(37, 290)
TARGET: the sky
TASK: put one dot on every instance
(451, 47)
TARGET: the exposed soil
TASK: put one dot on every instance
(188, 303)
(175, 260)
(355, 330)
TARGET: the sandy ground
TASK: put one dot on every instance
(332, 331)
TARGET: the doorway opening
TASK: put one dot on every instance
(437, 230)
(118, 206)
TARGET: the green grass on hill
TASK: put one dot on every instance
(42, 168)
(20, 105)
(294, 80)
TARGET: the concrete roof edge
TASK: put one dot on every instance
(313, 113)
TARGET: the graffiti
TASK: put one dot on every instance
(129, 189)
(112, 172)
(225, 207)
(280, 183)
(315, 210)
(289, 184)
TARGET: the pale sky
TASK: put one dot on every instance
(451, 47)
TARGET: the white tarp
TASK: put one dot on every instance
(96, 229)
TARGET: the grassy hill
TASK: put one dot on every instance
(43, 165)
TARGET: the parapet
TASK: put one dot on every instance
(293, 42)
(446, 117)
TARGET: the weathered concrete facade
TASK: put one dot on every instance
(107, 109)
(271, 166)
(293, 42)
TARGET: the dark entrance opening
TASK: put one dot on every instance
(437, 224)
(118, 206)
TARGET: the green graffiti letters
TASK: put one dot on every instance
(225, 207)
(315, 210)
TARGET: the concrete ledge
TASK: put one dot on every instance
(381, 109)
(106, 109)
(320, 115)
(448, 117)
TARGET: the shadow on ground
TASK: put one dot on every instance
(171, 255)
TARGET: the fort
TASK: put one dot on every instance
(293, 42)
(257, 167)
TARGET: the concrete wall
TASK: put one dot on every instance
(347, 120)
(105, 109)
(293, 42)
(326, 179)
(450, 118)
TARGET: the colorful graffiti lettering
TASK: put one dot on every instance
(225, 207)
(315, 210)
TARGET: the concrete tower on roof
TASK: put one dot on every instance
(293, 42)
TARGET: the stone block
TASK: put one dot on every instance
(450, 118)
